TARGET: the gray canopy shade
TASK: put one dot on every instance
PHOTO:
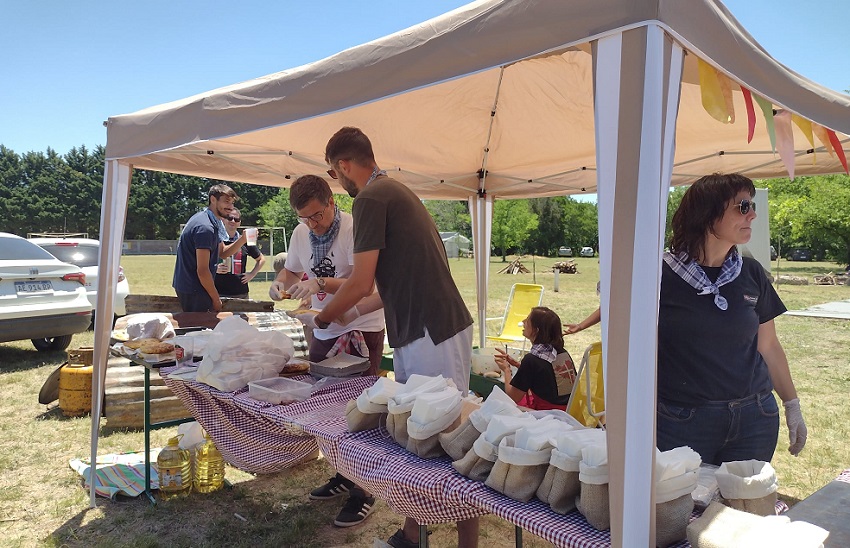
(511, 99)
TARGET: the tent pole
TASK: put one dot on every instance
(113, 214)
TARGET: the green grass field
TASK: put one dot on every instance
(42, 503)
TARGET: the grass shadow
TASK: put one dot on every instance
(14, 359)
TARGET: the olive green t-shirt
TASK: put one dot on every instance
(412, 273)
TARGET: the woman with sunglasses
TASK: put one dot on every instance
(231, 279)
(719, 358)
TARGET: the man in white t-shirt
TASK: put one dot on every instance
(322, 247)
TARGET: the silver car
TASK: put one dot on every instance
(41, 298)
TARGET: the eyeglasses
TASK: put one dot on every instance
(332, 174)
(315, 217)
(234, 219)
(745, 206)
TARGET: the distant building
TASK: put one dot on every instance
(456, 244)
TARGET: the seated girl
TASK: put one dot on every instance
(544, 379)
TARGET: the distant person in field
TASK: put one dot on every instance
(231, 278)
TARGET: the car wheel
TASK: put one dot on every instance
(52, 343)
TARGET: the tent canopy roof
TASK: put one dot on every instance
(501, 85)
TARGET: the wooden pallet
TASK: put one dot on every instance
(124, 405)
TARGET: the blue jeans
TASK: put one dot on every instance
(721, 431)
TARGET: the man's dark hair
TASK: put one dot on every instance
(349, 143)
(309, 187)
(548, 326)
(703, 204)
(218, 191)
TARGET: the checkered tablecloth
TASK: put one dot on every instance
(262, 437)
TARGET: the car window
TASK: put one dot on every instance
(13, 248)
(80, 255)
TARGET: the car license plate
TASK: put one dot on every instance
(35, 286)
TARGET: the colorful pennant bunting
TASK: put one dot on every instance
(716, 92)
(767, 109)
(806, 127)
(785, 140)
(751, 114)
(839, 150)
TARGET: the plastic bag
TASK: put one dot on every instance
(238, 353)
(156, 326)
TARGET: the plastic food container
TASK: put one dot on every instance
(341, 365)
(279, 390)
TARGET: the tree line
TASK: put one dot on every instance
(49, 192)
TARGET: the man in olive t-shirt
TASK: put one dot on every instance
(397, 247)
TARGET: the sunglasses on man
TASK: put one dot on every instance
(235, 219)
(745, 206)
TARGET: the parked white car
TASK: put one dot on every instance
(586, 252)
(84, 252)
(41, 298)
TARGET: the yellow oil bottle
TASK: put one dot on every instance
(209, 467)
(75, 379)
(174, 467)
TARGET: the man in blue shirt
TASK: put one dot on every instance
(200, 245)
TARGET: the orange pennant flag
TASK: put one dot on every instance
(785, 140)
(716, 93)
(823, 137)
(839, 150)
(751, 114)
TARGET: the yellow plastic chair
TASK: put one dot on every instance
(523, 298)
(587, 401)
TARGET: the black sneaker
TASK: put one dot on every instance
(335, 487)
(398, 540)
(356, 509)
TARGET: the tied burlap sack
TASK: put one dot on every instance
(749, 486)
(478, 461)
(433, 414)
(358, 421)
(458, 442)
(560, 485)
(517, 472)
(671, 520)
(430, 447)
(593, 502)
(397, 427)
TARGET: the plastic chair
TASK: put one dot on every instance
(523, 298)
(587, 401)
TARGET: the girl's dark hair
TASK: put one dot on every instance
(548, 326)
(703, 204)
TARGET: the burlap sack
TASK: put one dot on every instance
(358, 421)
(560, 485)
(749, 486)
(475, 466)
(517, 473)
(458, 442)
(671, 520)
(719, 527)
(430, 447)
(397, 427)
(592, 503)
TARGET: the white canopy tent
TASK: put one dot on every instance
(511, 99)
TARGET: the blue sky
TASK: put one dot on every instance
(67, 66)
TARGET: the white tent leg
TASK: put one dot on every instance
(634, 153)
(481, 211)
(113, 214)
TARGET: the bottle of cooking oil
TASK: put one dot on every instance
(209, 467)
(175, 470)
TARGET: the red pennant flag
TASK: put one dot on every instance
(751, 114)
(839, 150)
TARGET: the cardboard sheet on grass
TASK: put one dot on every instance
(839, 310)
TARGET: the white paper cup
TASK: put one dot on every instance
(251, 236)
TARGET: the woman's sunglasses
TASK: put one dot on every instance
(746, 205)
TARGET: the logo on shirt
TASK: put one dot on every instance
(751, 299)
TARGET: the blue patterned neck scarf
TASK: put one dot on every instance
(693, 273)
(219, 224)
(321, 245)
(544, 352)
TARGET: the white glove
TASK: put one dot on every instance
(348, 316)
(307, 317)
(797, 431)
(304, 288)
(277, 292)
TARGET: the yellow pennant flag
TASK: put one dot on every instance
(716, 93)
(806, 127)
